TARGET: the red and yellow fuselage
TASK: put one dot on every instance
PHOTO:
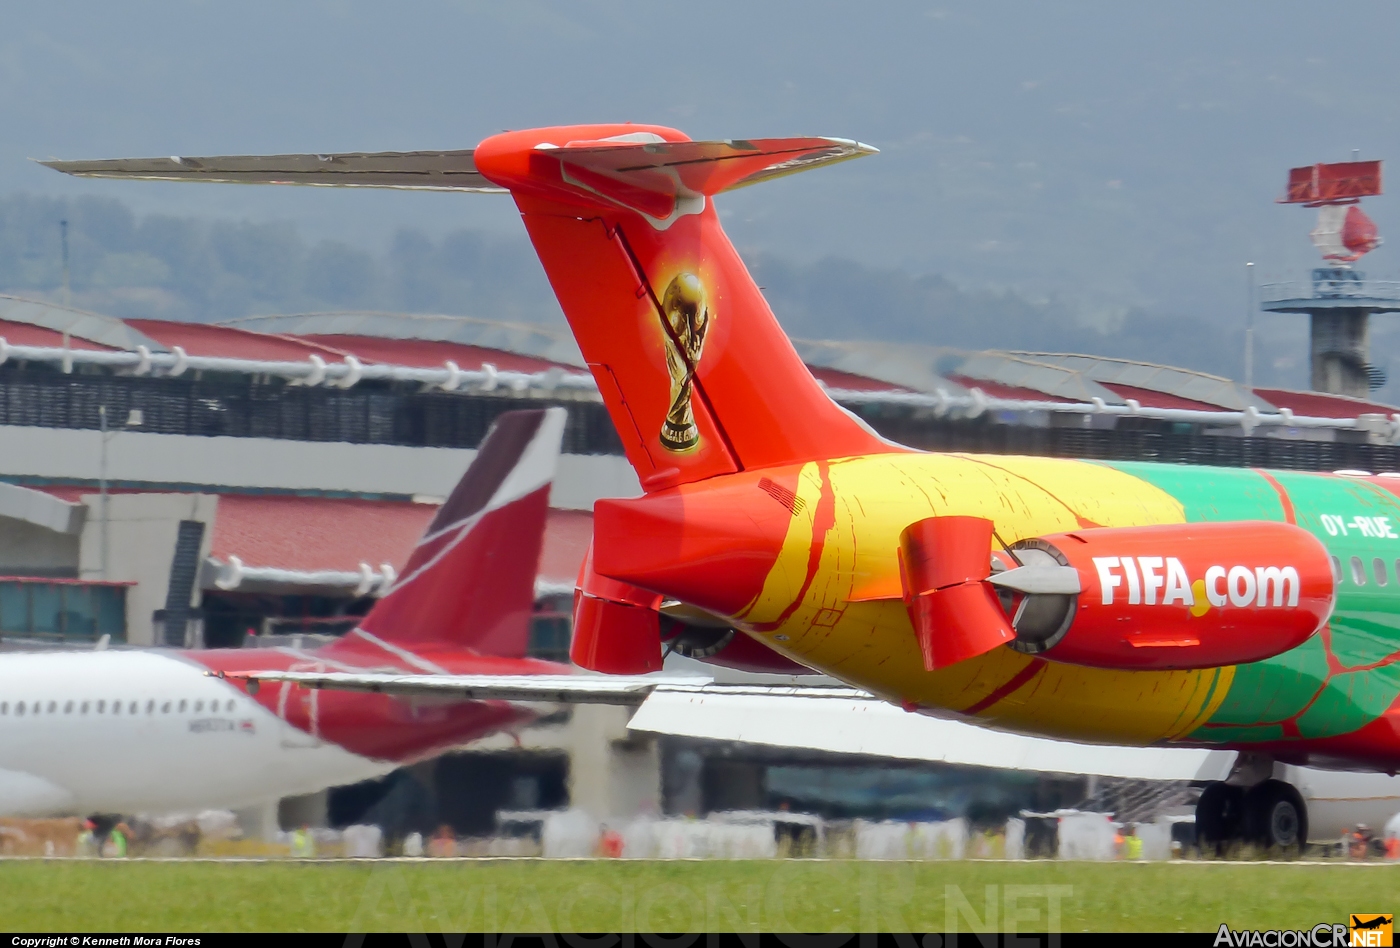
(770, 507)
(807, 563)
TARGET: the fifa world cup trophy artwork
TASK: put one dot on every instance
(687, 316)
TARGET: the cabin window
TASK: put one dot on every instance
(135, 706)
(198, 707)
(68, 708)
(101, 707)
(1358, 571)
(19, 707)
(165, 708)
(84, 708)
(182, 705)
(1337, 569)
(1378, 570)
(4, 707)
(53, 707)
(151, 706)
(229, 706)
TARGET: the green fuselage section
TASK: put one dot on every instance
(1346, 677)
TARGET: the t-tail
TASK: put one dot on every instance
(697, 374)
(695, 371)
(470, 582)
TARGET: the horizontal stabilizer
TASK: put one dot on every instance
(647, 161)
(408, 170)
(560, 689)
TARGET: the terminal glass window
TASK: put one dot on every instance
(551, 628)
(62, 611)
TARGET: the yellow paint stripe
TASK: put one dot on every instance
(1217, 686)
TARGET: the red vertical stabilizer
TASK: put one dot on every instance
(697, 374)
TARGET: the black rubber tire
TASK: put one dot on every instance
(1276, 818)
(1219, 817)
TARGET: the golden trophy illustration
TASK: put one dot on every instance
(688, 318)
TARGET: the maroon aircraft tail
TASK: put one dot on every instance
(470, 582)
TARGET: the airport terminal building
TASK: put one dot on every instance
(192, 485)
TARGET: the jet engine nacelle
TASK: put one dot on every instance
(1171, 596)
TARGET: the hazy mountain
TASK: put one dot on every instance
(1102, 159)
(195, 269)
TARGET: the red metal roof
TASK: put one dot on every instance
(27, 334)
(835, 378)
(68, 492)
(226, 342)
(1151, 398)
(317, 533)
(325, 533)
(998, 390)
(426, 353)
(200, 339)
(1322, 405)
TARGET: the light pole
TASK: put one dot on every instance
(67, 292)
(63, 235)
(133, 420)
(102, 484)
(1249, 328)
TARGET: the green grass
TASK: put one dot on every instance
(75, 896)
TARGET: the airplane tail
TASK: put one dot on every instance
(470, 582)
(695, 371)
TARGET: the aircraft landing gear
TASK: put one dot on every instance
(1219, 817)
(1269, 815)
(1276, 819)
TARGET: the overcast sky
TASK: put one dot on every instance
(1110, 154)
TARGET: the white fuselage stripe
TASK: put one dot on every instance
(420, 663)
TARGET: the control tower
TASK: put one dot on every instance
(1340, 300)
